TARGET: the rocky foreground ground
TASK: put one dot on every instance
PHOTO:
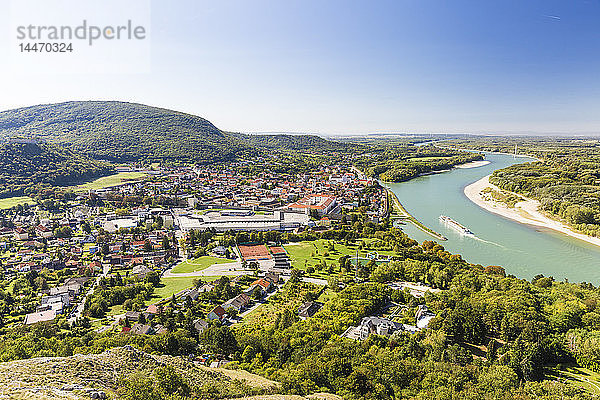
(97, 376)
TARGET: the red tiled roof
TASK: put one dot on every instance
(262, 282)
(153, 309)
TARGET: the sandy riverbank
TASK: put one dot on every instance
(525, 212)
(473, 164)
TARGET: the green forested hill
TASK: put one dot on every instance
(59, 144)
(119, 131)
(123, 132)
(27, 167)
(304, 143)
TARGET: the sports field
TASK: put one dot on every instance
(198, 264)
(108, 181)
(13, 201)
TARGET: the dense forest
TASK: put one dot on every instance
(26, 168)
(565, 179)
(123, 132)
(495, 336)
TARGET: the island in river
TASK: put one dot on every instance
(524, 249)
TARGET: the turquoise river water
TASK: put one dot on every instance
(523, 250)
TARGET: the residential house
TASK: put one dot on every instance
(263, 284)
(71, 288)
(141, 329)
(58, 303)
(372, 325)
(309, 309)
(132, 316)
(73, 264)
(216, 313)
(44, 232)
(154, 309)
(238, 303)
(21, 234)
(95, 266)
(200, 325)
(192, 293)
(207, 287)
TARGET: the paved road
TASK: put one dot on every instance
(316, 281)
(78, 311)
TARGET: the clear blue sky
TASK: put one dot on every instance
(359, 66)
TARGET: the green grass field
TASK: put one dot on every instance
(314, 251)
(109, 181)
(175, 285)
(307, 254)
(580, 377)
(198, 264)
(326, 295)
(311, 253)
(116, 310)
(14, 201)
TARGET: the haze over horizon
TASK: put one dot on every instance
(356, 68)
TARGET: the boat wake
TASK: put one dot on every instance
(487, 241)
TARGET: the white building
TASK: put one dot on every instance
(242, 220)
